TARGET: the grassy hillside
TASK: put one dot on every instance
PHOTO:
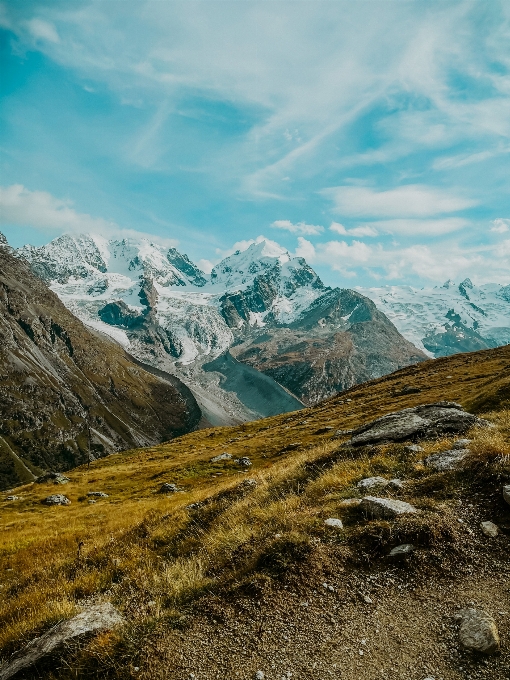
(190, 577)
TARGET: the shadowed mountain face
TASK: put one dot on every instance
(63, 386)
(341, 340)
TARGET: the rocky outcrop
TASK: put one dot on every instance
(421, 422)
(95, 618)
(65, 390)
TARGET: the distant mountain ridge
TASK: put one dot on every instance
(450, 318)
(258, 303)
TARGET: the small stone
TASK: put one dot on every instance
(350, 503)
(168, 488)
(324, 430)
(342, 433)
(56, 499)
(367, 599)
(334, 522)
(478, 631)
(194, 506)
(386, 507)
(259, 675)
(506, 493)
(402, 550)
(413, 448)
(12, 498)
(91, 501)
(98, 494)
(396, 484)
(370, 482)
(446, 460)
(248, 484)
(222, 456)
(244, 461)
(461, 443)
(489, 529)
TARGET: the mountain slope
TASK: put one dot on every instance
(62, 384)
(340, 340)
(234, 575)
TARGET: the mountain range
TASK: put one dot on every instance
(259, 307)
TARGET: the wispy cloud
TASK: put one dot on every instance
(501, 226)
(412, 200)
(299, 228)
(355, 231)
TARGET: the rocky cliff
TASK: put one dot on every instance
(65, 390)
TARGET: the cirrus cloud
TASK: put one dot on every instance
(411, 200)
(299, 228)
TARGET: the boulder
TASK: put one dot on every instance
(385, 507)
(222, 456)
(413, 448)
(334, 522)
(421, 422)
(244, 461)
(98, 617)
(506, 493)
(446, 460)
(371, 482)
(478, 631)
(56, 499)
(52, 477)
(167, 488)
(489, 529)
(99, 494)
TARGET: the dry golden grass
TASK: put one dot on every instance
(150, 555)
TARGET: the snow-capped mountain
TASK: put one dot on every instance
(268, 309)
(450, 318)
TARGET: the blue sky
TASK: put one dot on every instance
(371, 137)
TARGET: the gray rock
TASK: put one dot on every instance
(489, 529)
(52, 477)
(446, 460)
(342, 433)
(413, 448)
(248, 484)
(324, 430)
(168, 488)
(371, 482)
(506, 493)
(402, 551)
(244, 461)
(99, 494)
(334, 522)
(424, 422)
(259, 675)
(222, 456)
(385, 507)
(396, 484)
(12, 498)
(56, 499)
(99, 617)
(478, 631)
(461, 444)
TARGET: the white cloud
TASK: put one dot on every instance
(501, 226)
(411, 200)
(44, 30)
(40, 210)
(271, 248)
(410, 227)
(206, 266)
(355, 231)
(299, 228)
(305, 249)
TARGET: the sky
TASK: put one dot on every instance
(371, 137)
